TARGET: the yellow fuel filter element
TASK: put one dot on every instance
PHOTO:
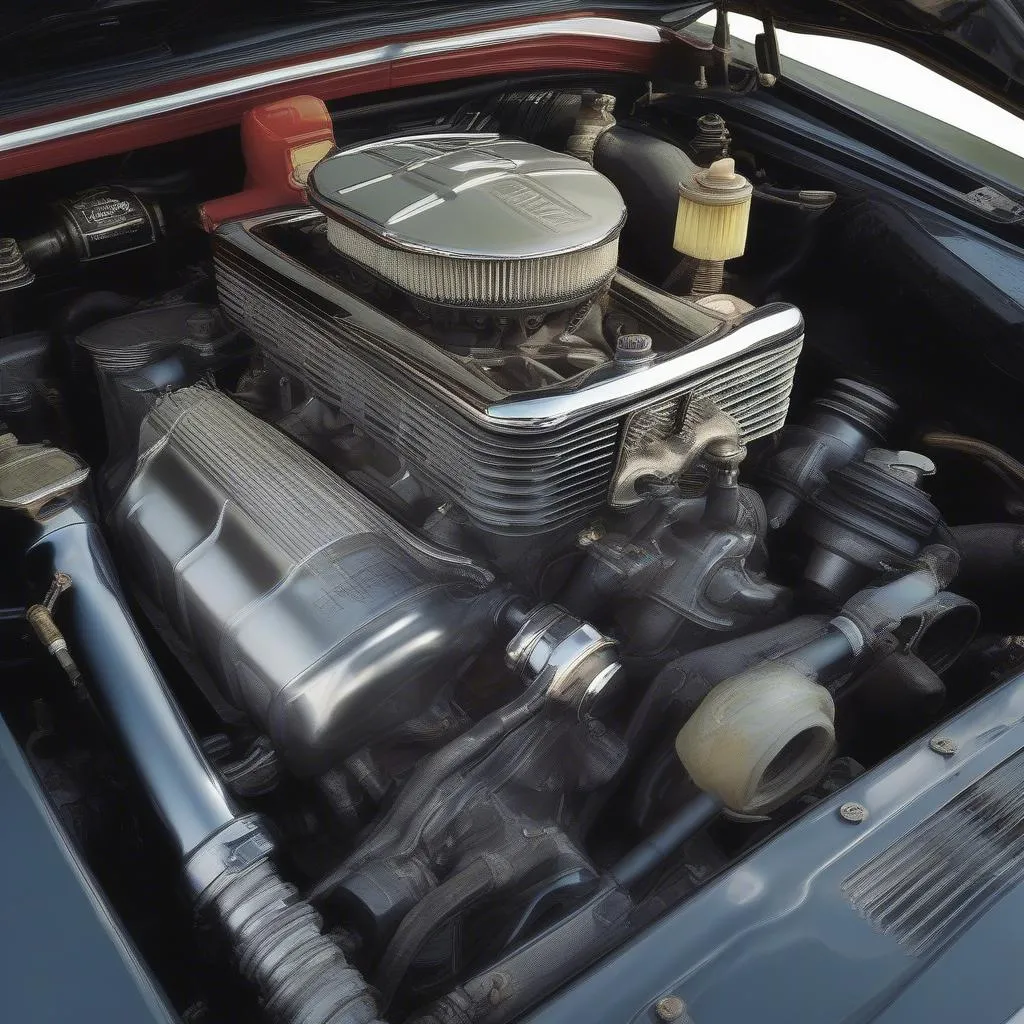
(714, 209)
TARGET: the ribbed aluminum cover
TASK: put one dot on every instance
(264, 569)
(472, 219)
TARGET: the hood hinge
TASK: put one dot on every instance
(766, 51)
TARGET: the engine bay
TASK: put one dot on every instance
(543, 507)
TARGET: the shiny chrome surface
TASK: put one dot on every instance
(126, 684)
(665, 439)
(685, 369)
(472, 220)
(602, 28)
(243, 252)
(267, 569)
(519, 650)
(468, 196)
(576, 661)
(515, 462)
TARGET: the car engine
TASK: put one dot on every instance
(513, 589)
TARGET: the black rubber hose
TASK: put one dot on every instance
(277, 942)
(434, 910)
(991, 554)
(647, 171)
(992, 572)
(589, 587)
(91, 308)
(41, 249)
(415, 802)
(653, 851)
(661, 769)
(901, 688)
(825, 655)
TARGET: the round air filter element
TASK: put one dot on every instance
(472, 220)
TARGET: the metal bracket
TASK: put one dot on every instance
(61, 582)
(40, 618)
(766, 52)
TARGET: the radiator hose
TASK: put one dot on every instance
(302, 977)
(761, 737)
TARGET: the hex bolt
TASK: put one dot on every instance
(725, 451)
(944, 745)
(670, 1008)
(854, 813)
(499, 983)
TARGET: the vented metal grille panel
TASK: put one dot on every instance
(525, 482)
(937, 879)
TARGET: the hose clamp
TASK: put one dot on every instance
(852, 632)
(575, 662)
(220, 857)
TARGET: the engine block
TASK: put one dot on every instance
(516, 461)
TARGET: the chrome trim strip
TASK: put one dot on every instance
(613, 389)
(602, 28)
(783, 320)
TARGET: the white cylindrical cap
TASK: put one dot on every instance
(717, 185)
(760, 738)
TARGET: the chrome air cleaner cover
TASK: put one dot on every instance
(472, 220)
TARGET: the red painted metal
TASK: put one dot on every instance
(560, 52)
(179, 124)
(555, 53)
(278, 142)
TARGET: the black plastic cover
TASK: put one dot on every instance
(107, 220)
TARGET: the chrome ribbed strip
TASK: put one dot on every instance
(502, 482)
(297, 504)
